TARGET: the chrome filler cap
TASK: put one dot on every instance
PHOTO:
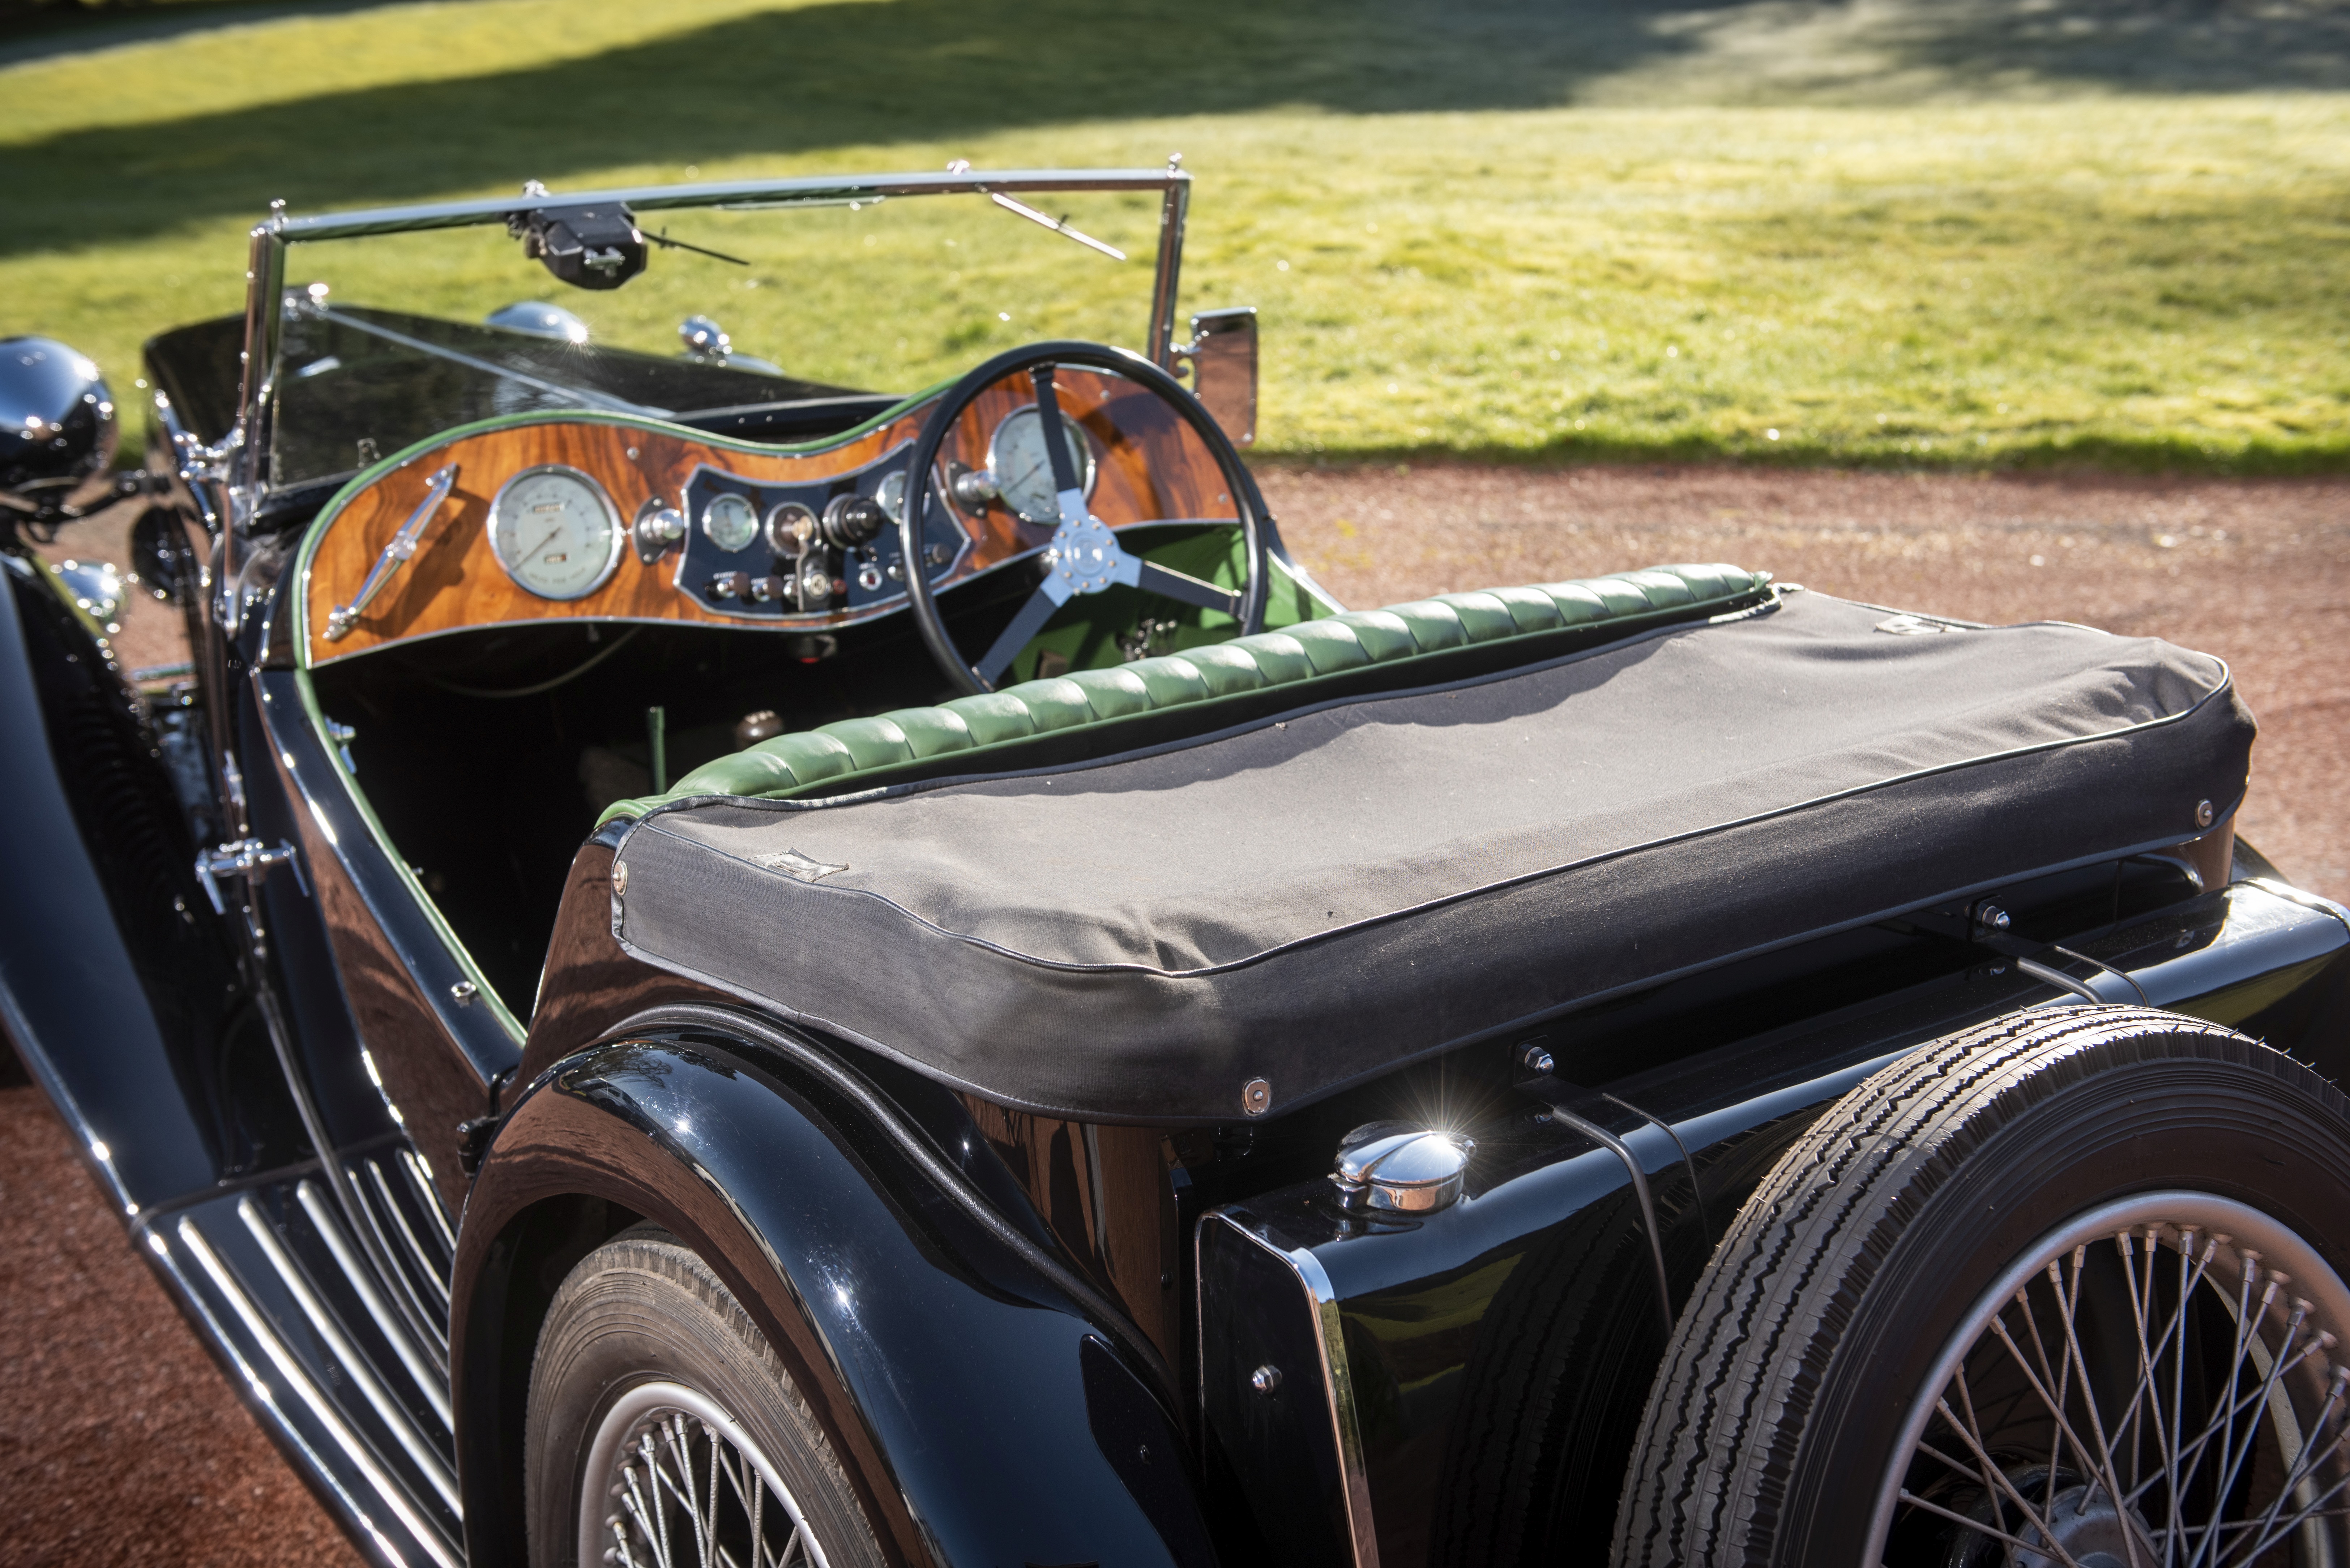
(1401, 1167)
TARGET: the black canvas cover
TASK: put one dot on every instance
(1310, 899)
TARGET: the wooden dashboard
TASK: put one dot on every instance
(1151, 467)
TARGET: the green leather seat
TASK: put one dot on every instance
(824, 759)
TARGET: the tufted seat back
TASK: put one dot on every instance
(1403, 645)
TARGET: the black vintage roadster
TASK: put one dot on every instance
(715, 965)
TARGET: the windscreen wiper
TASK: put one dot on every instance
(1058, 226)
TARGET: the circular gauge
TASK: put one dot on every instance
(891, 493)
(556, 531)
(730, 522)
(791, 529)
(1023, 468)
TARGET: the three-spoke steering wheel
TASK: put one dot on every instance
(1085, 557)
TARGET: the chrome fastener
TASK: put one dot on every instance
(1256, 1096)
(1266, 1379)
(463, 992)
(1535, 1058)
(2203, 813)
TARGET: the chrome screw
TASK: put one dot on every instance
(1991, 917)
(1266, 1380)
(2203, 813)
(463, 992)
(1256, 1096)
(1536, 1059)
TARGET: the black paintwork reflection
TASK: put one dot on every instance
(116, 888)
(966, 1404)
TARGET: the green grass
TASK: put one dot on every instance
(1962, 233)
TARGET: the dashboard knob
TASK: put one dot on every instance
(658, 529)
(853, 520)
(731, 585)
(767, 590)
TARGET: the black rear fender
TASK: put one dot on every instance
(985, 1415)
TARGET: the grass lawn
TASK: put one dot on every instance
(1958, 232)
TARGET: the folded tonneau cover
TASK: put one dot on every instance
(1309, 899)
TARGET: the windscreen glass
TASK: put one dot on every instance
(391, 340)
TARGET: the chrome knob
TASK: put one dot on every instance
(1402, 1169)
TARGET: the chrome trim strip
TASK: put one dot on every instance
(432, 1272)
(1338, 1381)
(821, 191)
(413, 1163)
(432, 1383)
(314, 1464)
(1172, 210)
(355, 1366)
(396, 1277)
(299, 1382)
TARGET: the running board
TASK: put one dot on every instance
(335, 1370)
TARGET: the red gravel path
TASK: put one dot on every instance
(121, 1442)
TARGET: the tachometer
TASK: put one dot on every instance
(1023, 468)
(556, 531)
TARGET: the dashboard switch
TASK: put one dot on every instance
(767, 590)
(853, 520)
(731, 585)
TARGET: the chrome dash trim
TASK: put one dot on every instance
(434, 1383)
(355, 1366)
(298, 1381)
(1337, 1379)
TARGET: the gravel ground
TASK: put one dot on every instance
(137, 1449)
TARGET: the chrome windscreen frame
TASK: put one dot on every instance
(245, 449)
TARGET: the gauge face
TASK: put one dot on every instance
(1024, 469)
(730, 522)
(556, 531)
(891, 493)
(791, 529)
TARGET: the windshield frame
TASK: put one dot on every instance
(265, 311)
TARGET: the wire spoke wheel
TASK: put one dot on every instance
(2157, 1385)
(683, 1487)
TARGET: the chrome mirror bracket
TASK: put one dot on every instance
(1221, 361)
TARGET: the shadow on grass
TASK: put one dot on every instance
(842, 74)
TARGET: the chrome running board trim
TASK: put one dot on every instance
(435, 1385)
(297, 1381)
(401, 1424)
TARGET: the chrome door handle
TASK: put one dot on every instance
(249, 858)
(342, 618)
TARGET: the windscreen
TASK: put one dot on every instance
(390, 339)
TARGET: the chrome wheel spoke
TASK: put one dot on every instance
(2172, 1401)
(688, 1487)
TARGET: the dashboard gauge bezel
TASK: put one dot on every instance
(616, 531)
(749, 511)
(994, 442)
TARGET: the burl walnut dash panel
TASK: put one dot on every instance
(1152, 467)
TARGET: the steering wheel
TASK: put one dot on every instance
(1085, 557)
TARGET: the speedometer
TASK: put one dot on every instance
(556, 531)
(1023, 468)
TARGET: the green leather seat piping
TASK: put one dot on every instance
(867, 752)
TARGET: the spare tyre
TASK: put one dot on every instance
(2066, 1289)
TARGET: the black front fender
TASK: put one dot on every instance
(987, 1419)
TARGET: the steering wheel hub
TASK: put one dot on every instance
(1085, 557)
